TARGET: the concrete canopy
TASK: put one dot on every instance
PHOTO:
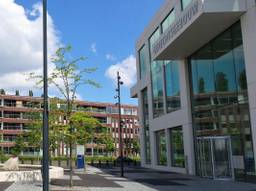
(196, 26)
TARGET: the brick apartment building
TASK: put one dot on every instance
(14, 119)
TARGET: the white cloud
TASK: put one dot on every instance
(127, 70)
(79, 97)
(93, 48)
(21, 44)
(110, 57)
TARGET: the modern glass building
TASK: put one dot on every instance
(197, 88)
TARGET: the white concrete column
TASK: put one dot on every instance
(153, 148)
(187, 127)
(248, 24)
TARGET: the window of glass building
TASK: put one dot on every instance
(157, 79)
(146, 125)
(142, 59)
(219, 98)
(161, 148)
(172, 85)
(177, 147)
(185, 3)
(168, 20)
(154, 37)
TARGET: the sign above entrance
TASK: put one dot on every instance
(179, 24)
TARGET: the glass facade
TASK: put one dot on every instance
(185, 3)
(177, 147)
(161, 148)
(219, 99)
(146, 125)
(143, 64)
(157, 79)
(172, 85)
(168, 20)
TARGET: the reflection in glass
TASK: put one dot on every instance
(177, 147)
(168, 20)
(161, 148)
(219, 94)
(157, 79)
(185, 3)
(143, 64)
(172, 86)
(146, 125)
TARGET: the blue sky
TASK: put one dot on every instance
(105, 31)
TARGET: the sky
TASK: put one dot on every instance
(104, 31)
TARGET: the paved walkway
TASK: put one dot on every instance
(136, 179)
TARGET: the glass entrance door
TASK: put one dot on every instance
(214, 157)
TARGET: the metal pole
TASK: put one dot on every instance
(120, 125)
(45, 167)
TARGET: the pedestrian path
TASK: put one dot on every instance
(136, 179)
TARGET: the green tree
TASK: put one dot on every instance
(201, 85)
(19, 145)
(85, 127)
(242, 80)
(2, 91)
(67, 76)
(221, 82)
(136, 145)
(108, 141)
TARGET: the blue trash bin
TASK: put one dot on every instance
(80, 161)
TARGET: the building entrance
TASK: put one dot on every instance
(214, 157)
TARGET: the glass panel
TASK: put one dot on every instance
(157, 88)
(143, 64)
(223, 63)
(205, 70)
(205, 158)
(172, 86)
(154, 37)
(161, 148)
(219, 90)
(157, 79)
(221, 151)
(168, 20)
(177, 147)
(185, 3)
(146, 125)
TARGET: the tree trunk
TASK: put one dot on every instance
(58, 154)
(70, 165)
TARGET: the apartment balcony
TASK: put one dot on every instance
(7, 144)
(14, 120)
(11, 132)
(20, 109)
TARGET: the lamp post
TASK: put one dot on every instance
(119, 83)
(45, 165)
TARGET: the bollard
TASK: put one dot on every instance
(107, 163)
(99, 163)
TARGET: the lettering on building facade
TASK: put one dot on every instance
(175, 28)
